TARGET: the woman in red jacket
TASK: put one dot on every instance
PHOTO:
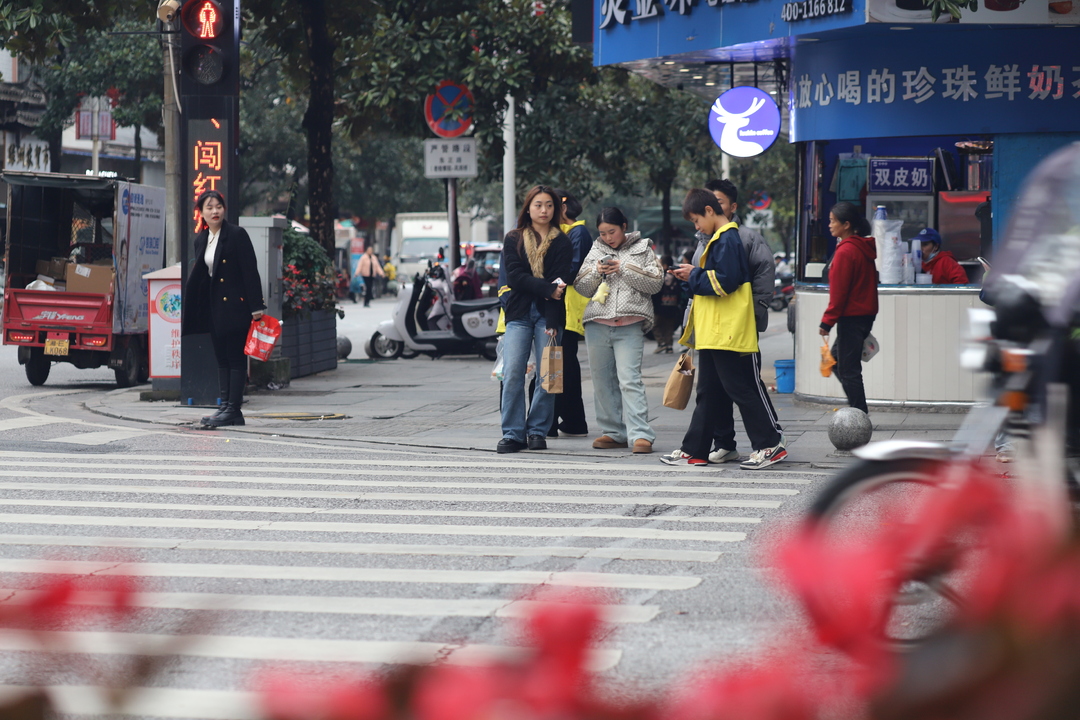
(853, 299)
(942, 266)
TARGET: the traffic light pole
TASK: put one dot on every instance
(455, 231)
(173, 174)
(209, 146)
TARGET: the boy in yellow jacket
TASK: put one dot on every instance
(723, 330)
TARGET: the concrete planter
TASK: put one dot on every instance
(310, 342)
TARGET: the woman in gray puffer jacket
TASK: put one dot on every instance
(620, 274)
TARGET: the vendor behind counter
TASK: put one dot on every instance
(940, 264)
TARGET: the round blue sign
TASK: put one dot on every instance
(449, 109)
(744, 121)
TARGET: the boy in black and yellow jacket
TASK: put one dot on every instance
(723, 330)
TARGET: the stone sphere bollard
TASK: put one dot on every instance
(344, 347)
(850, 428)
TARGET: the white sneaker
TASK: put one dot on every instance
(723, 456)
(678, 457)
(764, 458)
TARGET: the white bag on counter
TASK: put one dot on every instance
(889, 249)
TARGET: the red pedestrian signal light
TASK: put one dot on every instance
(203, 19)
(209, 52)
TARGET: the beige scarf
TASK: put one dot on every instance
(536, 252)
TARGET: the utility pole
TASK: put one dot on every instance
(455, 232)
(95, 135)
(509, 168)
(171, 120)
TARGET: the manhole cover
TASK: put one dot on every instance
(300, 416)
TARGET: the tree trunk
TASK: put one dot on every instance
(137, 176)
(318, 122)
(665, 211)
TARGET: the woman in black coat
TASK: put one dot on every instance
(223, 295)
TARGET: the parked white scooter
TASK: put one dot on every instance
(428, 321)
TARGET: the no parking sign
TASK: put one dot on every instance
(449, 109)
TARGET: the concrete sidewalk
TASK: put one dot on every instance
(452, 403)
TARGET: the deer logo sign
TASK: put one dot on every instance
(744, 122)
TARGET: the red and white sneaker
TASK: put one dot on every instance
(765, 457)
(678, 457)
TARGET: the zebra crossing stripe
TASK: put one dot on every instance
(374, 528)
(156, 702)
(383, 606)
(622, 581)
(389, 512)
(279, 546)
(425, 484)
(100, 438)
(278, 649)
(29, 421)
(500, 498)
(451, 462)
(705, 475)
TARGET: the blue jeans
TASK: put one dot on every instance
(524, 338)
(622, 410)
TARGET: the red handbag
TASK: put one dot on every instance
(262, 335)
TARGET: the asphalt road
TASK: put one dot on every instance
(344, 556)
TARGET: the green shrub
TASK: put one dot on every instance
(308, 275)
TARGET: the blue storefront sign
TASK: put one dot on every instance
(628, 30)
(959, 82)
(901, 175)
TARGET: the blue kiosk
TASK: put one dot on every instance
(937, 117)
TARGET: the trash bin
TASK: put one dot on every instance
(785, 376)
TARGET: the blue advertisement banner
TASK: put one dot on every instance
(936, 81)
(628, 30)
(901, 175)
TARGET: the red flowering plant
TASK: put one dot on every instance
(308, 276)
(47, 619)
(547, 682)
(1011, 651)
(1009, 645)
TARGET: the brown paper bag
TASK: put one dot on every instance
(551, 368)
(827, 360)
(680, 384)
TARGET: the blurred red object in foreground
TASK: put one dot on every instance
(286, 696)
(69, 598)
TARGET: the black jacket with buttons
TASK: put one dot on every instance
(525, 289)
(221, 299)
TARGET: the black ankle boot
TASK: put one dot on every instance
(232, 414)
(223, 395)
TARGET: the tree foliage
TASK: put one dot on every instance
(40, 29)
(113, 61)
(379, 176)
(273, 147)
(616, 133)
(381, 58)
(333, 95)
(772, 172)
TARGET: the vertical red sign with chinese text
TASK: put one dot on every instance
(207, 165)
